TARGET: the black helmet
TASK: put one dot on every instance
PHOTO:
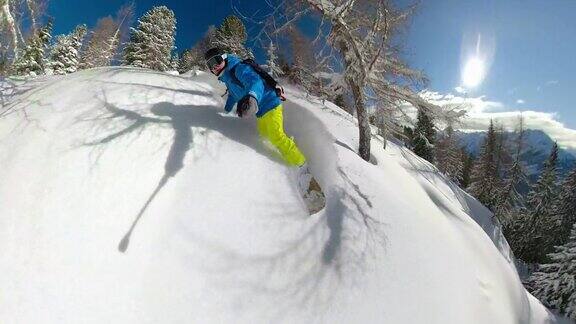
(213, 57)
(213, 52)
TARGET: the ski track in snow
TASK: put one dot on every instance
(210, 221)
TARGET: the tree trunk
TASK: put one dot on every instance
(383, 132)
(6, 16)
(33, 14)
(363, 123)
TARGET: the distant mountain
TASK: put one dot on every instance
(537, 149)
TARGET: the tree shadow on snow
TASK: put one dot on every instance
(333, 246)
(182, 119)
(330, 251)
(343, 201)
(306, 274)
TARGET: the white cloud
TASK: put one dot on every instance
(547, 84)
(472, 105)
(460, 89)
(520, 101)
(480, 111)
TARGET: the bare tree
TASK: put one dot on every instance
(194, 57)
(36, 9)
(358, 36)
(9, 26)
(106, 38)
(102, 44)
(12, 13)
(302, 70)
(124, 19)
(31, 4)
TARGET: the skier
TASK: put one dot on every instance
(254, 96)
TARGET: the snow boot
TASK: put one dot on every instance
(310, 190)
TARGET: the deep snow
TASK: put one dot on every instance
(220, 233)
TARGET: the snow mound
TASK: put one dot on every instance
(211, 222)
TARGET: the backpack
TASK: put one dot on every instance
(268, 79)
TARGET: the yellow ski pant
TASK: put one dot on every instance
(271, 127)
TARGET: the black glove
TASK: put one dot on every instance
(280, 92)
(247, 106)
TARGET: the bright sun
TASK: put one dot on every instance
(473, 72)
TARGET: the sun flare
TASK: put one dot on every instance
(473, 72)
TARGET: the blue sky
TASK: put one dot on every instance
(193, 17)
(530, 46)
(532, 62)
(534, 52)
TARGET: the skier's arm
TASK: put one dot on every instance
(251, 81)
(229, 103)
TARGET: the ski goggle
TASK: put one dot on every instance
(215, 60)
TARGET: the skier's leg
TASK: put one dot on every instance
(271, 127)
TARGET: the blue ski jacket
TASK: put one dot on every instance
(247, 82)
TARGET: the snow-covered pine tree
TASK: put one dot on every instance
(152, 42)
(340, 101)
(273, 68)
(284, 65)
(565, 208)
(424, 136)
(467, 166)
(540, 224)
(231, 37)
(555, 283)
(102, 44)
(65, 53)
(408, 134)
(45, 33)
(485, 181)
(503, 158)
(447, 153)
(510, 200)
(32, 60)
(4, 63)
(174, 62)
(186, 61)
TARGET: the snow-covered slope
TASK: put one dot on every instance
(219, 232)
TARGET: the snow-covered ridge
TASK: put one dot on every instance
(219, 231)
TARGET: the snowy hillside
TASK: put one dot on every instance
(220, 234)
